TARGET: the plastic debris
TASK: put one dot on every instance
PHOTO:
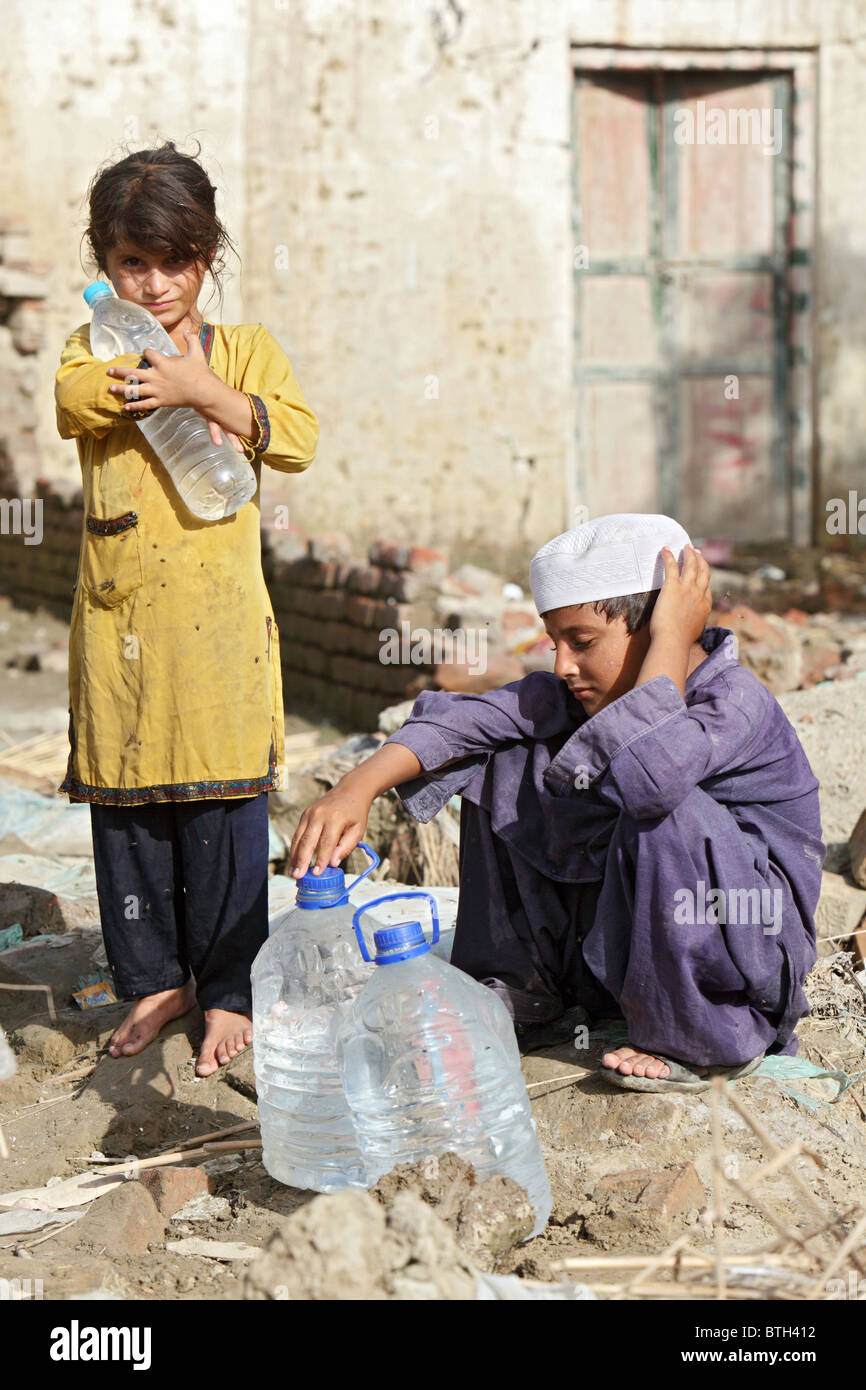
(204, 1208)
(8, 1065)
(781, 1069)
(508, 1287)
(11, 936)
(25, 1220)
(213, 1249)
(95, 995)
(45, 824)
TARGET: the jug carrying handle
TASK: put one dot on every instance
(389, 898)
(370, 867)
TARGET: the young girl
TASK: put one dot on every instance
(175, 691)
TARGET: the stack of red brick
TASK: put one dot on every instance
(331, 609)
(332, 612)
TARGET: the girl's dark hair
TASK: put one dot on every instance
(164, 202)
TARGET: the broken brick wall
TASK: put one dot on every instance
(349, 626)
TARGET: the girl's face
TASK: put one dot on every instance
(168, 287)
(596, 658)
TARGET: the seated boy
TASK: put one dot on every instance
(639, 830)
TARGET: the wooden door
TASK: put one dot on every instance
(680, 223)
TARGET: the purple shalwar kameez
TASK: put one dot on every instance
(661, 858)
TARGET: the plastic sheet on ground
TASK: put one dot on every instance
(23, 1221)
(835, 1082)
(505, 1287)
(69, 878)
(46, 824)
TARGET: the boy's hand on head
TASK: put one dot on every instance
(685, 601)
(329, 829)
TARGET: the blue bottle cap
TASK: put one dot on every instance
(97, 290)
(327, 889)
(399, 942)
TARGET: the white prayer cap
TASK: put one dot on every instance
(604, 558)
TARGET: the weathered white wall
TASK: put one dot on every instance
(78, 84)
(417, 166)
(397, 174)
(421, 184)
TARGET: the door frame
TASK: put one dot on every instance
(800, 65)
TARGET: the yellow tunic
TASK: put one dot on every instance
(175, 688)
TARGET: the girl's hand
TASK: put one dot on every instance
(171, 381)
(330, 828)
(217, 434)
(685, 601)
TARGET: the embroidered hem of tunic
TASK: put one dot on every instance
(171, 791)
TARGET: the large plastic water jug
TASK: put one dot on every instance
(214, 480)
(430, 1064)
(303, 976)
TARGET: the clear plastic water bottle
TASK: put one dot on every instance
(214, 480)
(303, 977)
(430, 1065)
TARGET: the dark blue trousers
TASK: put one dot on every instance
(183, 889)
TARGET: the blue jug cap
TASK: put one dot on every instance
(96, 290)
(328, 889)
(400, 942)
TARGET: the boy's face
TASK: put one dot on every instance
(166, 286)
(596, 657)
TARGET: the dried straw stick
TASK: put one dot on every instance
(46, 989)
(555, 1083)
(845, 1249)
(685, 1259)
(179, 1156)
(770, 1144)
(217, 1134)
(788, 1234)
(4, 1147)
(77, 1075)
(618, 1291)
(655, 1262)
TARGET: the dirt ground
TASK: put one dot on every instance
(591, 1133)
(588, 1130)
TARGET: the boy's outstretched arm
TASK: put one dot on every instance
(446, 728)
(332, 826)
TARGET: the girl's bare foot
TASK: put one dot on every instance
(147, 1016)
(225, 1035)
(633, 1063)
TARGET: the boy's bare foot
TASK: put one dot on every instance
(225, 1035)
(633, 1063)
(147, 1016)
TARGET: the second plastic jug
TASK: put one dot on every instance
(214, 480)
(302, 978)
(430, 1064)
